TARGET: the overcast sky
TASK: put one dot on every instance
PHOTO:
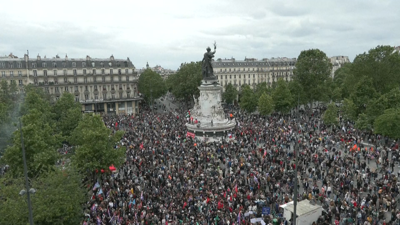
(168, 33)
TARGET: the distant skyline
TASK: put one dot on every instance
(168, 33)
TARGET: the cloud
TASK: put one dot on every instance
(171, 32)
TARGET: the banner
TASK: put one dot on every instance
(190, 134)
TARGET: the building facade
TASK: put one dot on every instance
(105, 85)
(337, 62)
(252, 71)
(164, 73)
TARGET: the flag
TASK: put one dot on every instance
(141, 196)
(255, 179)
(98, 221)
(100, 191)
(236, 188)
(94, 207)
(132, 202)
(238, 219)
(97, 185)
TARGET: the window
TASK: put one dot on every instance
(95, 87)
(33, 65)
(76, 88)
(104, 79)
(120, 96)
(119, 71)
(73, 64)
(126, 71)
(112, 96)
(1, 64)
(104, 96)
(120, 78)
(44, 64)
(20, 82)
(94, 72)
(111, 71)
(96, 97)
(110, 64)
(120, 87)
(57, 90)
(54, 65)
(75, 72)
(66, 89)
(127, 78)
(11, 73)
(46, 81)
(249, 75)
(93, 64)
(55, 81)
(86, 88)
(65, 80)
(65, 72)
(35, 81)
(83, 64)
(35, 73)
(230, 76)
(239, 75)
(85, 79)
(45, 73)
(11, 65)
(94, 79)
(55, 72)
(86, 97)
(77, 98)
(102, 71)
(19, 65)
(64, 64)
(46, 89)
(112, 79)
(75, 80)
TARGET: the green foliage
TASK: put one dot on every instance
(388, 123)
(349, 110)
(363, 122)
(58, 199)
(282, 97)
(345, 80)
(95, 145)
(262, 88)
(248, 102)
(313, 68)
(362, 95)
(40, 146)
(151, 84)
(265, 104)
(183, 84)
(381, 65)
(337, 94)
(230, 94)
(297, 92)
(330, 116)
(67, 114)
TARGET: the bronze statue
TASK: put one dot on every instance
(207, 68)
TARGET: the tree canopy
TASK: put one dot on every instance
(388, 123)
(330, 115)
(183, 84)
(248, 102)
(282, 97)
(230, 94)
(151, 84)
(265, 104)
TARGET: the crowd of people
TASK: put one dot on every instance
(169, 178)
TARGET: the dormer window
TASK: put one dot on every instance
(33, 65)
(102, 64)
(44, 64)
(11, 65)
(54, 64)
(110, 64)
(83, 64)
(93, 64)
(73, 64)
(64, 64)
(19, 65)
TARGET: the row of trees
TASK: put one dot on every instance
(60, 192)
(366, 90)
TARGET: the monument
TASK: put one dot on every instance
(208, 119)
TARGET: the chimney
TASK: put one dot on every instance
(66, 57)
(38, 57)
(112, 58)
(87, 58)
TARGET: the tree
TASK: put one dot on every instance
(362, 95)
(230, 94)
(313, 68)
(297, 92)
(265, 104)
(330, 115)
(95, 145)
(248, 102)
(40, 142)
(151, 84)
(58, 199)
(67, 114)
(349, 110)
(388, 123)
(184, 84)
(282, 97)
(262, 88)
(345, 80)
(381, 65)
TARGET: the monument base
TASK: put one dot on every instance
(209, 114)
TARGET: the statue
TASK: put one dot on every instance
(207, 68)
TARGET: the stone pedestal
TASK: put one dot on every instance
(209, 113)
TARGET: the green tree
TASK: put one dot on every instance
(40, 142)
(262, 88)
(282, 97)
(58, 199)
(265, 104)
(248, 102)
(330, 116)
(313, 68)
(381, 65)
(298, 94)
(151, 84)
(388, 123)
(184, 84)
(95, 145)
(67, 114)
(230, 94)
(362, 95)
(349, 110)
(345, 80)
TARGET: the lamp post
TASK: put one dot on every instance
(26, 177)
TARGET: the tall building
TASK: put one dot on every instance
(252, 71)
(337, 62)
(106, 85)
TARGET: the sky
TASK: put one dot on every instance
(168, 33)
